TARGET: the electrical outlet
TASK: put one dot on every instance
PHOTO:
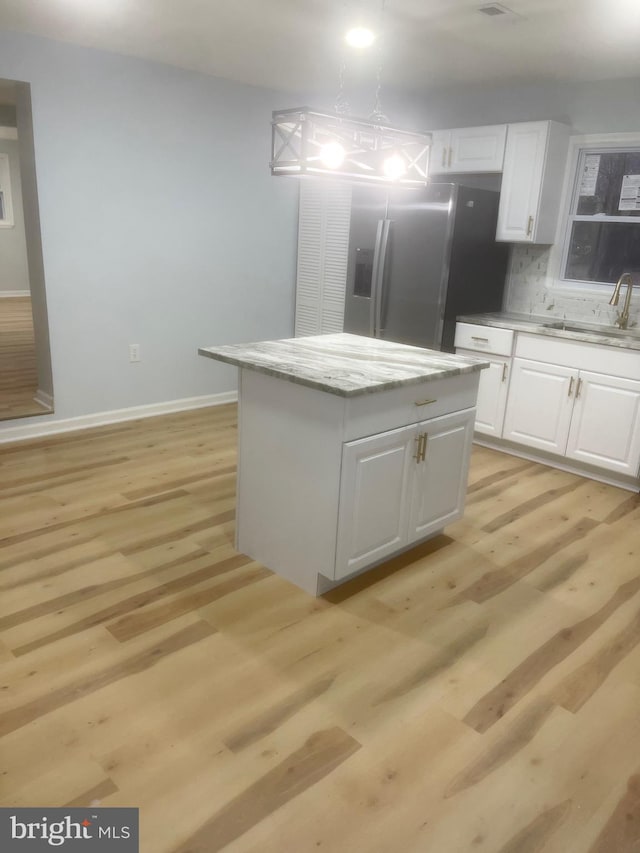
(134, 352)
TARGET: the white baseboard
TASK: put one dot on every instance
(621, 481)
(54, 427)
(13, 294)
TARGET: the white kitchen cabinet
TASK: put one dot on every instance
(350, 450)
(605, 424)
(374, 493)
(492, 393)
(495, 346)
(468, 149)
(399, 487)
(540, 404)
(439, 479)
(534, 164)
(571, 409)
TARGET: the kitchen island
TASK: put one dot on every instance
(350, 450)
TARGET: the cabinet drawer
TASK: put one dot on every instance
(580, 355)
(373, 413)
(484, 338)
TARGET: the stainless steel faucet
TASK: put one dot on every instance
(623, 316)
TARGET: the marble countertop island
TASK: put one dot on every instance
(344, 364)
(345, 458)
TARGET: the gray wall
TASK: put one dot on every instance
(602, 107)
(161, 225)
(14, 273)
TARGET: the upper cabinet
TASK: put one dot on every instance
(468, 149)
(534, 164)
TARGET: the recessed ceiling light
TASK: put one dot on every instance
(360, 37)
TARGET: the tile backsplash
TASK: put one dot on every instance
(528, 292)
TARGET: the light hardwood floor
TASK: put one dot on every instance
(18, 374)
(480, 693)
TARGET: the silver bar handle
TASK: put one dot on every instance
(379, 286)
(374, 279)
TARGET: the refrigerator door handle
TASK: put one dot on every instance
(382, 243)
(374, 280)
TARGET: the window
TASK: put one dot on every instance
(6, 207)
(602, 236)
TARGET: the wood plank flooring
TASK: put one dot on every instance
(18, 375)
(480, 693)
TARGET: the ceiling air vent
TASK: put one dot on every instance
(495, 10)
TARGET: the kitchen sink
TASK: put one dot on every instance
(592, 329)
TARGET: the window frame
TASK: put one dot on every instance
(589, 143)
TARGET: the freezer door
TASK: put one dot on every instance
(417, 266)
(368, 208)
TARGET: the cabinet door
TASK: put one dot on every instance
(605, 427)
(522, 181)
(468, 149)
(492, 396)
(532, 177)
(477, 149)
(539, 405)
(323, 252)
(372, 518)
(492, 393)
(440, 152)
(439, 481)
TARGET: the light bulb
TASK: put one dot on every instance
(394, 166)
(332, 155)
(360, 37)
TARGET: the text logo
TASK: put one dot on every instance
(74, 830)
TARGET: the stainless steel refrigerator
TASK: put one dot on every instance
(419, 258)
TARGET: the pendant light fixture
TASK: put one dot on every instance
(308, 142)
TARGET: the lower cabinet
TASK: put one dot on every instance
(540, 404)
(495, 346)
(587, 416)
(329, 485)
(440, 477)
(574, 399)
(605, 424)
(492, 393)
(400, 486)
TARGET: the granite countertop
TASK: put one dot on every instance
(555, 327)
(345, 364)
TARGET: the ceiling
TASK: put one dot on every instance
(296, 45)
